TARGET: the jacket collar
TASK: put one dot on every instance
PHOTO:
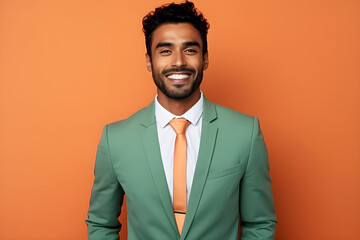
(148, 118)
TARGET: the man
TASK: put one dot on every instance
(189, 183)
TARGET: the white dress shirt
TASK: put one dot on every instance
(167, 136)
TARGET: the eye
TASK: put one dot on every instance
(191, 51)
(165, 52)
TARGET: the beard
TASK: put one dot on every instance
(179, 92)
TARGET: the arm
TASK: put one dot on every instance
(258, 220)
(106, 197)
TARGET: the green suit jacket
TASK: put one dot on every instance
(231, 178)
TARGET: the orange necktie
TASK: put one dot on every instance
(179, 191)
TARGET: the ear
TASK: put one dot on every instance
(148, 62)
(205, 61)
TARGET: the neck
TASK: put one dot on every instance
(178, 106)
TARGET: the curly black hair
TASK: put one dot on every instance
(175, 13)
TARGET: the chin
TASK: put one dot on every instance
(179, 93)
(176, 91)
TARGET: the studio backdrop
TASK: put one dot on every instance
(68, 67)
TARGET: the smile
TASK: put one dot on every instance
(178, 76)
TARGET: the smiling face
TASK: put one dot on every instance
(177, 61)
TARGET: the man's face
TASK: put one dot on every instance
(177, 61)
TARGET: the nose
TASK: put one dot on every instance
(178, 60)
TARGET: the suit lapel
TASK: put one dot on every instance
(150, 142)
(207, 143)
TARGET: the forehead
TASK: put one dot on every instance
(176, 33)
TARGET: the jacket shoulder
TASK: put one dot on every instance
(145, 114)
(233, 116)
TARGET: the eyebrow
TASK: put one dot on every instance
(192, 43)
(163, 44)
(168, 44)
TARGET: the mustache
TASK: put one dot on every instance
(180, 69)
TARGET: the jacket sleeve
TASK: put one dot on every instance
(106, 196)
(257, 212)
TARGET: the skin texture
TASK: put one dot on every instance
(177, 49)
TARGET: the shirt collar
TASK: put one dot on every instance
(163, 116)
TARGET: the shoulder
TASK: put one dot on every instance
(234, 120)
(225, 112)
(143, 116)
(229, 117)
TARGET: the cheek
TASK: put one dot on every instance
(158, 66)
(196, 63)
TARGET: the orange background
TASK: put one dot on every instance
(69, 67)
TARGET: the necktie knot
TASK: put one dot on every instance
(179, 125)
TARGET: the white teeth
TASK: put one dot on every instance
(178, 76)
